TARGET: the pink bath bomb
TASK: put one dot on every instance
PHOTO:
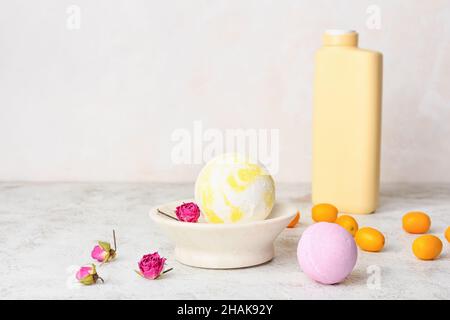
(327, 252)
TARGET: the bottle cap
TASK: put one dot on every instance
(340, 37)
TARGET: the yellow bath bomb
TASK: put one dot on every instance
(233, 189)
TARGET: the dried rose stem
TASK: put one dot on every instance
(114, 237)
(97, 277)
(167, 215)
(165, 271)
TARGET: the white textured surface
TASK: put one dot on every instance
(98, 102)
(47, 228)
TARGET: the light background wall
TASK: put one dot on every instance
(101, 102)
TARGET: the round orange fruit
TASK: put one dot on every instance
(324, 212)
(447, 234)
(416, 222)
(427, 247)
(294, 221)
(348, 223)
(369, 239)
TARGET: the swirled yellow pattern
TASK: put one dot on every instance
(233, 189)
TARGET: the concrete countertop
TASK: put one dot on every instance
(48, 229)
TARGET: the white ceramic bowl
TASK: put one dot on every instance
(224, 246)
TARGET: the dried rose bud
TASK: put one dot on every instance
(151, 266)
(188, 212)
(103, 251)
(87, 275)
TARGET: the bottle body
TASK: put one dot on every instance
(346, 125)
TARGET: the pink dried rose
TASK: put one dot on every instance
(87, 275)
(151, 266)
(103, 251)
(188, 212)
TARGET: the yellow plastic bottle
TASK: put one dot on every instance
(346, 124)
